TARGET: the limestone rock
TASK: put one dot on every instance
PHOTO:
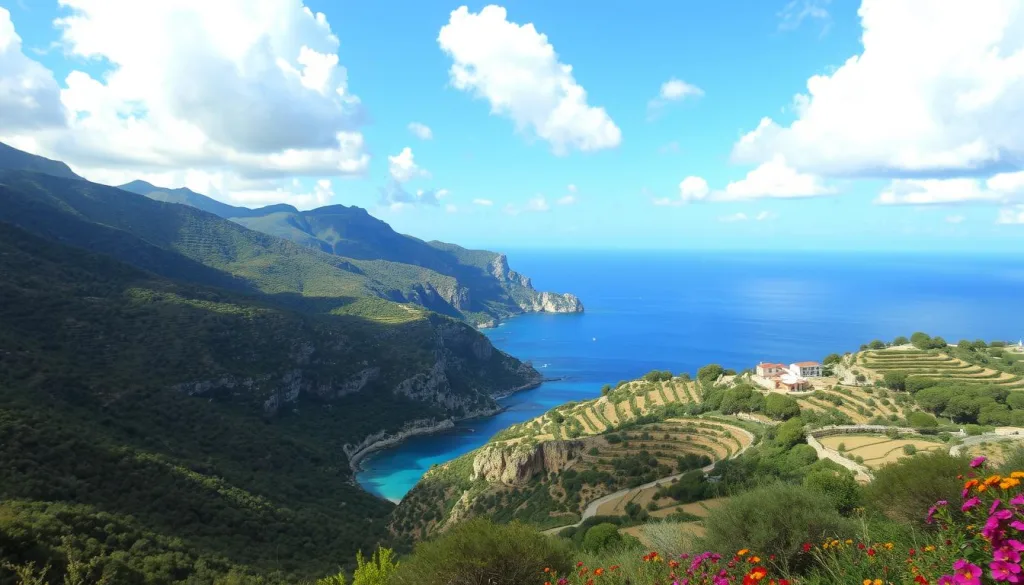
(518, 464)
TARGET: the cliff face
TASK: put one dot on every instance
(515, 465)
(529, 300)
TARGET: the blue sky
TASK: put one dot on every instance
(898, 149)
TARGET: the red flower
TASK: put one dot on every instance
(579, 563)
(807, 547)
(783, 581)
(921, 580)
(871, 552)
(860, 545)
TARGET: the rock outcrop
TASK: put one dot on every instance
(546, 302)
(518, 464)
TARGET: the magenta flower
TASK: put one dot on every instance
(946, 580)
(1017, 500)
(970, 504)
(1006, 553)
(1003, 571)
(995, 506)
(1017, 525)
(977, 461)
(966, 573)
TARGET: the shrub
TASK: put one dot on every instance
(909, 449)
(902, 489)
(840, 487)
(378, 571)
(601, 537)
(775, 520)
(895, 380)
(479, 551)
(781, 407)
(922, 420)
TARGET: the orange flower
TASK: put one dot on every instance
(598, 572)
(1009, 482)
(673, 564)
(754, 560)
(742, 551)
(547, 569)
(970, 483)
(992, 480)
(613, 568)
(1017, 474)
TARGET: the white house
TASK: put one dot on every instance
(806, 369)
(767, 370)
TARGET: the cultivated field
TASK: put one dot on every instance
(877, 450)
(930, 364)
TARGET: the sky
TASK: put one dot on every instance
(682, 124)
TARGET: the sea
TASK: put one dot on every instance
(679, 311)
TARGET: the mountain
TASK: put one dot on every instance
(174, 378)
(13, 159)
(476, 285)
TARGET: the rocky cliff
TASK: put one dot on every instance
(518, 464)
(530, 300)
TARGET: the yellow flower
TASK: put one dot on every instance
(992, 480)
(929, 548)
(888, 546)
(849, 541)
(877, 582)
(1017, 474)
(867, 582)
(1009, 482)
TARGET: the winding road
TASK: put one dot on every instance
(591, 509)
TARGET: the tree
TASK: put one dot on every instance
(781, 407)
(790, 433)
(895, 380)
(922, 420)
(901, 490)
(601, 537)
(832, 358)
(839, 487)
(901, 340)
(710, 373)
(965, 344)
(877, 344)
(606, 389)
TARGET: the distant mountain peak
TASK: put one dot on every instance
(12, 159)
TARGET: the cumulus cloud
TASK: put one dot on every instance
(483, 202)
(517, 71)
(421, 131)
(402, 167)
(947, 103)
(1011, 215)
(1000, 188)
(671, 91)
(771, 180)
(29, 95)
(236, 91)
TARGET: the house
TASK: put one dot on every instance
(806, 369)
(791, 382)
(767, 370)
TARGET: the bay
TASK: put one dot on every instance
(680, 311)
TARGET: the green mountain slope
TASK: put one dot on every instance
(476, 285)
(12, 159)
(212, 426)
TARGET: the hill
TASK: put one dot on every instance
(476, 285)
(12, 159)
(217, 426)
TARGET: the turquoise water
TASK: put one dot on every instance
(681, 311)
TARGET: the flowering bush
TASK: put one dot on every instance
(707, 568)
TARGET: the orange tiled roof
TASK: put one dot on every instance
(806, 364)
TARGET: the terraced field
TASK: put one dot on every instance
(934, 365)
(666, 441)
(593, 417)
(877, 450)
(860, 404)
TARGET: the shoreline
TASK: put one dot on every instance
(391, 440)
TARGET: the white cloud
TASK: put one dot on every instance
(538, 203)
(451, 208)
(571, 188)
(734, 217)
(568, 200)
(797, 11)
(403, 167)
(243, 89)
(955, 219)
(322, 194)
(693, 189)
(671, 91)
(29, 95)
(999, 188)
(766, 216)
(421, 131)
(516, 69)
(927, 97)
(483, 202)
(1011, 215)
(773, 179)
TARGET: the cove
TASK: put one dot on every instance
(680, 311)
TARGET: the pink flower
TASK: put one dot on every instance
(946, 580)
(995, 506)
(1007, 553)
(966, 573)
(977, 461)
(1017, 525)
(1003, 571)
(1017, 500)
(970, 504)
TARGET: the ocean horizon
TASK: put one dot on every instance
(681, 310)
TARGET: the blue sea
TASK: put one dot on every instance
(682, 310)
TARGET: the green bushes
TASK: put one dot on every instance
(840, 487)
(601, 537)
(480, 552)
(781, 407)
(902, 489)
(774, 520)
